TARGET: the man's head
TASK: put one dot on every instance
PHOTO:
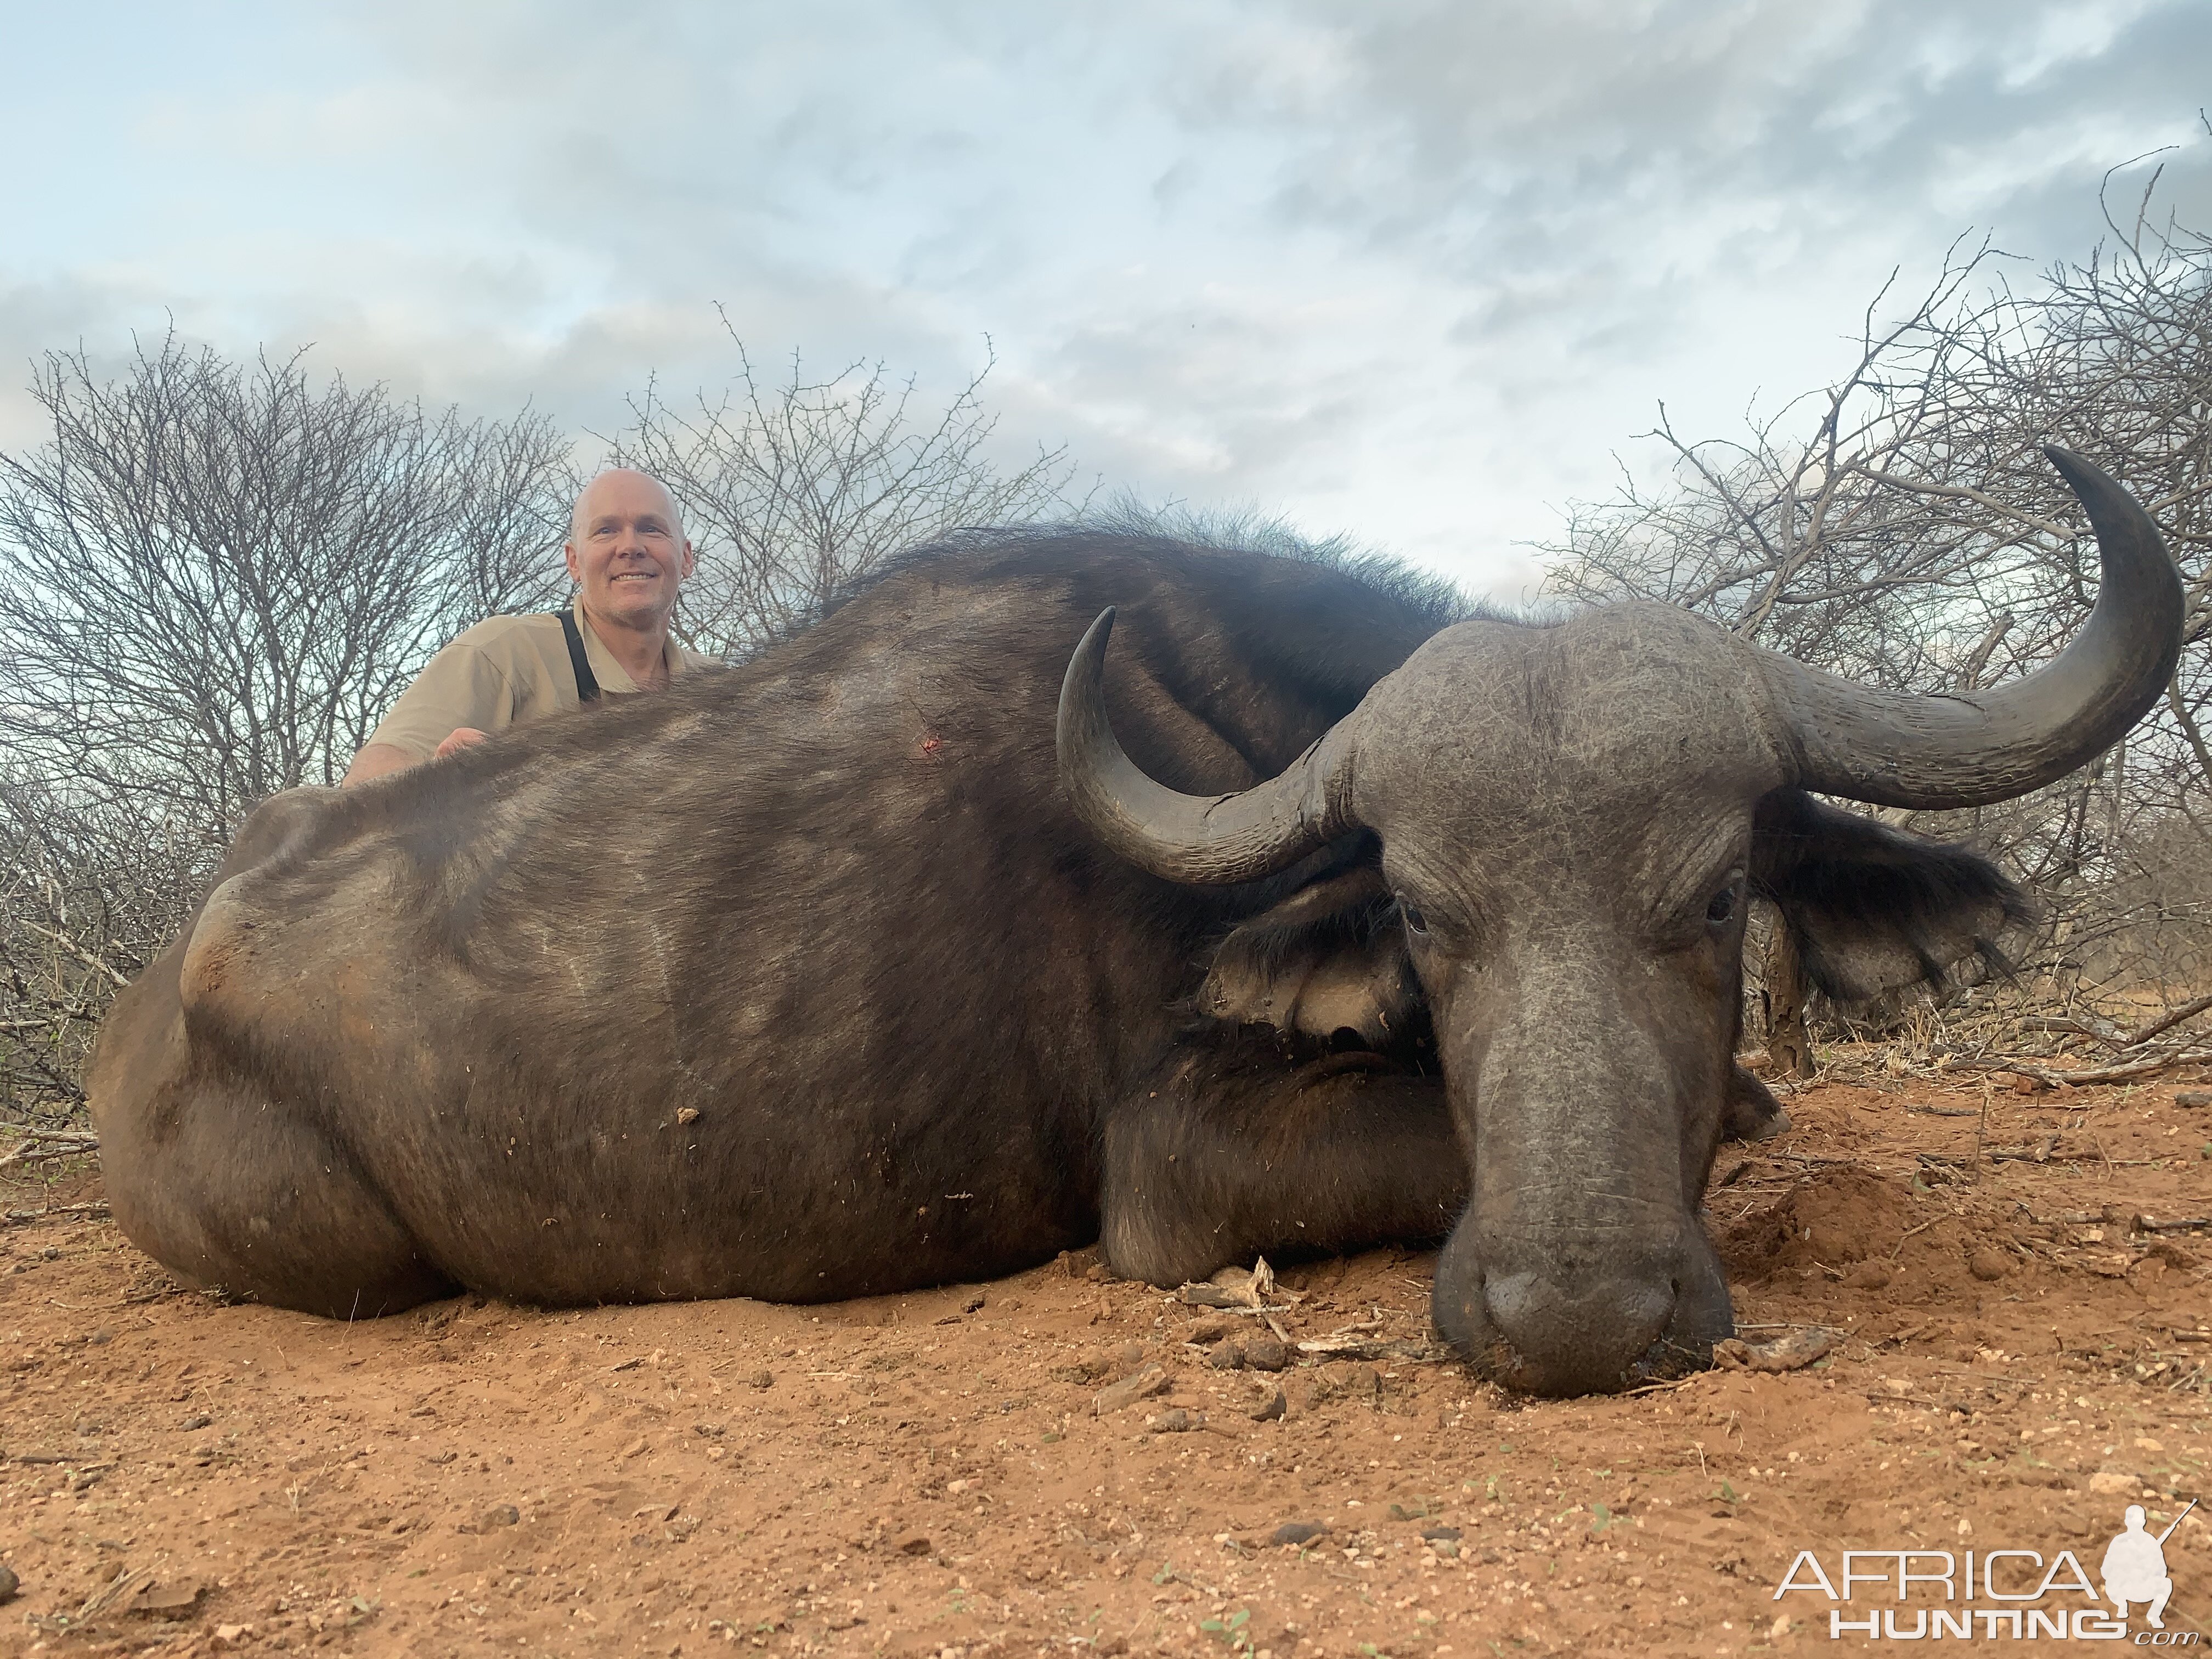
(2134, 1517)
(626, 549)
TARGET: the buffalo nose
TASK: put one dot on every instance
(1580, 1339)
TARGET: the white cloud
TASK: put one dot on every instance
(1412, 272)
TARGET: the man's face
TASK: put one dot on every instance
(626, 550)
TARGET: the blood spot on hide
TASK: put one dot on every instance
(931, 745)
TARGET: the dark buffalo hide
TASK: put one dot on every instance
(805, 981)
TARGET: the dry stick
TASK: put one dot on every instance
(1665, 1387)
(24, 1218)
(80, 953)
(1909, 1232)
(2143, 1034)
(2101, 1074)
(125, 1583)
(50, 1143)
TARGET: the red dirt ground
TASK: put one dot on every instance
(926, 1475)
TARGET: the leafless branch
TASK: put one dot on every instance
(1901, 527)
(795, 489)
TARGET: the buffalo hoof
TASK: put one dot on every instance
(1751, 1112)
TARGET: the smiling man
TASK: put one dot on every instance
(627, 556)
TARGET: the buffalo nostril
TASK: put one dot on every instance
(1578, 1337)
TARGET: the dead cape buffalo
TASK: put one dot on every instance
(1317, 922)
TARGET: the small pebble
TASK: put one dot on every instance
(195, 1421)
(502, 1514)
(1225, 1356)
(1987, 1265)
(103, 1337)
(177, 1601)
(9, 1584)
(1266, 1354)
(1152, 1380)
(1298, 1532)
(1869, 1276)
(762, 1379)
(1272, 1408)
(914, 1543)
(2194, 1097)
(1174, 1421)
(1441, 1535)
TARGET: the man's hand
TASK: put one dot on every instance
(460, 739)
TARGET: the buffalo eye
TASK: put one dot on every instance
(1416, 923)
(1722, 911)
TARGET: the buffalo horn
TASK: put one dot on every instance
(1192, 838)
(1969, 748)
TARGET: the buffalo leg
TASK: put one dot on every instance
(1228, 1152)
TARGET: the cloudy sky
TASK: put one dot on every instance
(1412, 271)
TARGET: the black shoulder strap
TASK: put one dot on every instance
(587, 683)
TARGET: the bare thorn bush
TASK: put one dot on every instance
(794, 488)
(221, 576)
(1903, 528)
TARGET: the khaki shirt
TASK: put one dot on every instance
(504, 671)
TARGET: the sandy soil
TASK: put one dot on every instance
(927, 1474)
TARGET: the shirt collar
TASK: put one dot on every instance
(611, 674)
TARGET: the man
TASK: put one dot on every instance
(2134, 1568)
(627, 556)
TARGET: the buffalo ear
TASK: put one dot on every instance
(1331, 957)
(1872, 908)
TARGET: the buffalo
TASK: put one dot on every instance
(943, 937)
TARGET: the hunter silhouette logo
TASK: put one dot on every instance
(1919, 1594)
(2134, 1568)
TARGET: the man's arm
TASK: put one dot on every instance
(460, 695)
(377, 760)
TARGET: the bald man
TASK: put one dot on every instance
(628, 557)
